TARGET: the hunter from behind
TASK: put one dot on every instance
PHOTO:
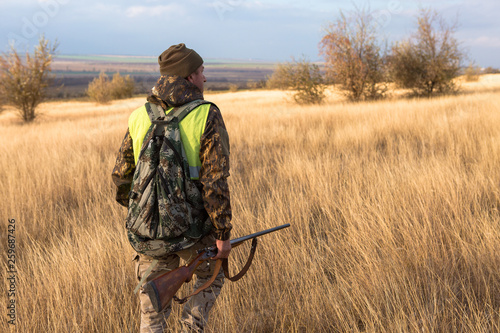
(171, 173)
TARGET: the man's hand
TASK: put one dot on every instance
(223, 249)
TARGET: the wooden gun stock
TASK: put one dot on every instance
(163, 288)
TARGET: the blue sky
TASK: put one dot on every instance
(272, 30)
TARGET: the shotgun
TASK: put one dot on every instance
(163, 288)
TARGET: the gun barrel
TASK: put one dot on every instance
(237, 241)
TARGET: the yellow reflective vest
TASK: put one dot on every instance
(191, 128)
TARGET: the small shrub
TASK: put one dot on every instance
(472, 73)
(302, 77)
(99, 90)
(251, 84)
(233, 87)
(256, 84)
(102, 90)
(122, 86)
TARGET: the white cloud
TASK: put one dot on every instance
(159, 10)
(485, 41)
(135, 11)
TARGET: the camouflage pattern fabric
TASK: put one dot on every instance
(196, 310)
(171, 90)
(214, 155)
(163, 197)
(124, 170)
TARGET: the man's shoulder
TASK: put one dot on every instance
(211, 107)
(208, 108)
(204, 102)
(137, 113)
(138, 120)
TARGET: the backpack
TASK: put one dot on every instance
(166, 212)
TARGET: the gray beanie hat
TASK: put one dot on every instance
(179, 60)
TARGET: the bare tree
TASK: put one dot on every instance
(301, 76)
(354, 57)
(23, 84)
(430, 59)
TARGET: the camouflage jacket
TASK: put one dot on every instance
(171, 91)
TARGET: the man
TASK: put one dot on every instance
(204, 133)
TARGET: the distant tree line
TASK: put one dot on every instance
(362, 66)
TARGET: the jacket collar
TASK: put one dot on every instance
(172, 91)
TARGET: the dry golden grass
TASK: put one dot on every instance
(394, 208)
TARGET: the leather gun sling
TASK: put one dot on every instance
(207, 284)
(245, 268)
(224, 264)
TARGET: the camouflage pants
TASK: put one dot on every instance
(195, 312)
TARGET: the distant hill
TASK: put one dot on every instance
(74, 72)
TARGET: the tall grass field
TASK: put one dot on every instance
(393, 205)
